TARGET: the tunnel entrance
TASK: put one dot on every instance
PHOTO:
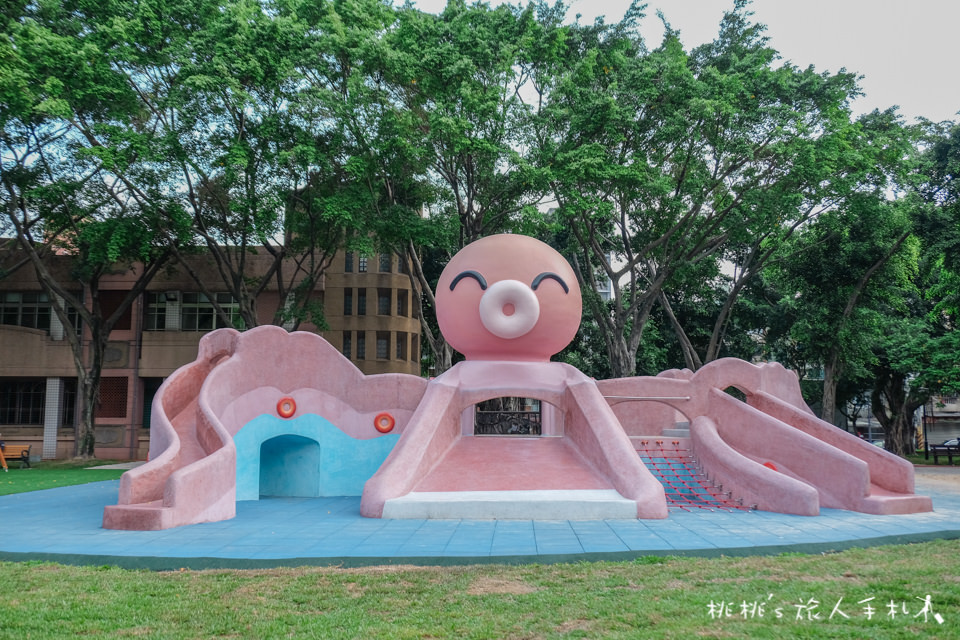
(290, 467)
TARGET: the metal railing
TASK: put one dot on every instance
(503, 423)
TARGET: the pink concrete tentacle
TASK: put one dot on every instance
(200, 407)
(887, 471)
(175, 396)
(597, 434)
(754, 483)
(771, 377)
(842, 480)
(145, 500)
(591, 429)
(271, 363)
(432, 430)
(777, 425)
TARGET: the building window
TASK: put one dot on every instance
(150, 388)
(415, 347)
(21, 401)
(362, 264)
(361, 345)
(383, 302)
(348, 262)
(386, 262)
(32, 309)
(347, 346)
(348, 302)
(113, 398)
(361, 302)
(29, 309)
(197, 312)
(383, 345)
(401, 346)
(156, 316)
(402, 265)
(68, 416)
(402, 302)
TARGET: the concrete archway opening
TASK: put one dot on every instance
(290, 467)
(736, 392)
(508, 416)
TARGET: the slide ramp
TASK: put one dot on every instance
(230, 397)
(184, 480)
(770, 451)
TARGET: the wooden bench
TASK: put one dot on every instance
(13, 452)
(948, 450)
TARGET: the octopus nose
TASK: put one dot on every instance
(509, 309)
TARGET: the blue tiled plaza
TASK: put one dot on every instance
(64, 525)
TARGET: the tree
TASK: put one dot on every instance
(219, 131)
(431, 121)
(845, 266)
(59, 196)
(664, 160)
(916, 356)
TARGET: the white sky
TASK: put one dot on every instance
(906, 50)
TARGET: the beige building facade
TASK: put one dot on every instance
(368, 306)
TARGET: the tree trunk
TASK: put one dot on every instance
(441, 351)
(893, 408)
(90, 388)
(86, 436)
(831, 368)
(690, 356)
(831, 375)
(623, 361)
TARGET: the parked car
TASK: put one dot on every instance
(952, 442)
(877, 443)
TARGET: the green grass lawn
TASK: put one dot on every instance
(47, 475)
(789, 596)
(860, 593)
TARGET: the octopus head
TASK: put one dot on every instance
(508, 297)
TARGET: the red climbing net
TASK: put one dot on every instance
(685, 485)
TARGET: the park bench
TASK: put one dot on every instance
(948, 450)
(13, 452)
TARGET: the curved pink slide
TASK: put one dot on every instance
(770, 450)
(237, 377)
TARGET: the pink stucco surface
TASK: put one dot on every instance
(518, 260)
(593, 446)
(817, 464)
(508, 303)
(191, 475)
(512, 464)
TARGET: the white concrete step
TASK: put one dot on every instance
(596, 504)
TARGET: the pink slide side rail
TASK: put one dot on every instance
(598, 436)
(887, 471)
(205, 490)
(437, 421)
(842, 480)
(178, 394)
(756, 484)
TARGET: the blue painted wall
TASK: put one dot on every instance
(307, 456)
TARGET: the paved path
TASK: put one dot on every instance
(64, 525)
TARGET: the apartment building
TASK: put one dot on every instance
(368, 306)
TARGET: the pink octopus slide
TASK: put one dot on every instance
(270, 413)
